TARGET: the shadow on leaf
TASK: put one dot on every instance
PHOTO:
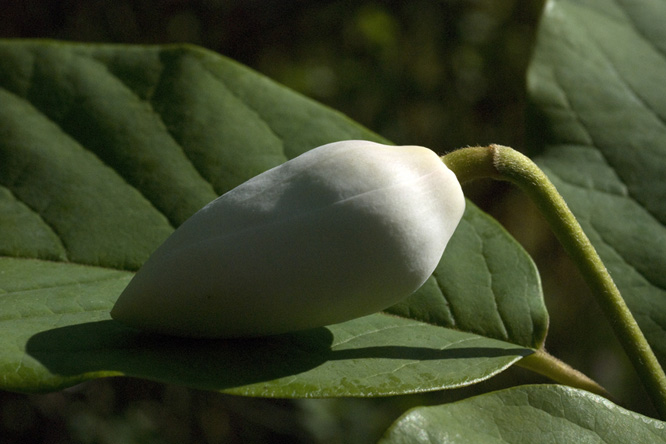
(106, 348)
(424, 353)
(217, 364)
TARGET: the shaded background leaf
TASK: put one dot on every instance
(598, 121)
(528, 414)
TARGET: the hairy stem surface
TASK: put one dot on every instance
(503, 163)
(546, 364)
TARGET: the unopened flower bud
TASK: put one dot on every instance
(342, 231)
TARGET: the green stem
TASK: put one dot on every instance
(548, 365)
(503, 163)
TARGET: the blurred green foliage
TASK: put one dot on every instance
(438, 73)
(442, 74)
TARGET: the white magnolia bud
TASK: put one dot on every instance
(342, 231)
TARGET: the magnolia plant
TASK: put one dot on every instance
(107, 151)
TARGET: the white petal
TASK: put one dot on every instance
(342, 231)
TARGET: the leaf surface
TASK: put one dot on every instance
(597, 83)
(104, 150)
(529, 414)
(77, 340)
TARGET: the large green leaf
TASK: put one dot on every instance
(597, 83)
(105, 149)
(69, 332)
(530, 415)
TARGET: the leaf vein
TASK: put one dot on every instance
(596, 146)
(492, 286)
(247, 105)
(50, 227)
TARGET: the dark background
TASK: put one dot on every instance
(442, 74)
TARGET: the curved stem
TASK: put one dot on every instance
(503, 163)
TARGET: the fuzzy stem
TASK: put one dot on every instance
(503, 163)
(547, 365)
